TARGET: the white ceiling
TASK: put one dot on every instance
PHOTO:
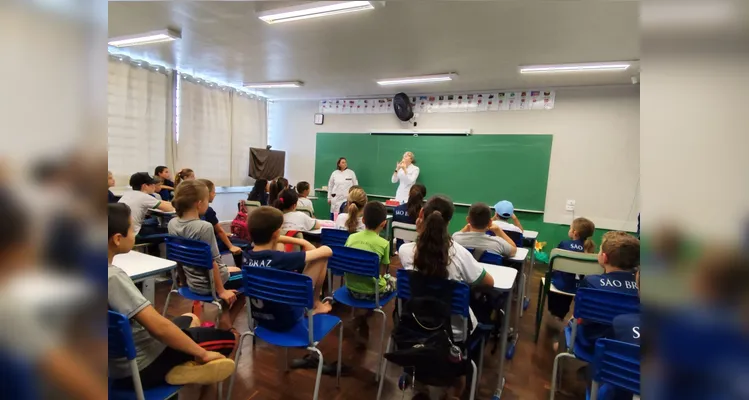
(343, 55)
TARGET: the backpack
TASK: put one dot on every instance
(239, 223)
(423, 334)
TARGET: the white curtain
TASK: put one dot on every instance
(139, 123)
(249, 129)
(205, 131)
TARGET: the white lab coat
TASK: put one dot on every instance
(339, 184)
(407, 179)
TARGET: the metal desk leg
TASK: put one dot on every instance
(503, 348)
(149, 288)
(527, 278)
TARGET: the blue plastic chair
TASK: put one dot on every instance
(365, 263)
(120, 345)
(592, 305)
(294, 290)
(196, 254)
(461, 296)
(615, 365)
(333, 237)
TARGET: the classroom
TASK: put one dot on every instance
(326, 176)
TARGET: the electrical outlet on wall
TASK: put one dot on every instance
(570, 205)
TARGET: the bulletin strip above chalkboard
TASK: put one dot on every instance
(524, 100)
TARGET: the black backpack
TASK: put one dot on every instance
(423, 334)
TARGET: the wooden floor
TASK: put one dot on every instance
(261, 375)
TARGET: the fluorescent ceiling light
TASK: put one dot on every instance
(273, 85)
(416, 79)
(551, 68)
(165, 35)
(313, 10)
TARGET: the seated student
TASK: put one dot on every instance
(265, 229)
(579, 234)
(166, 351)
(436, 254)
(363, 287)
(474, 234)
(344, 205)
(225, 243)
(110, 182)
(619, 256)
(302, 188)
(185, 174)
(504, 212)
(627, 326)
(140, 201)
(351, 220)
(277, 186)
(167, 186)
(190, 201)
(409, 211)
(157, 188)
(293, 220)
(259, 192)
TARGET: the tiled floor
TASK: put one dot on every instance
(261, 375)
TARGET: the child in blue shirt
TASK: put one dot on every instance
(167, 186)
(620, 258)
(579, 240)
(409, 211)
(265, 230)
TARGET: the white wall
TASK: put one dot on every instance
(595, 155)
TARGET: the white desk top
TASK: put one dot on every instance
(139, 265)
(521, 254)
(504, 277)
(530, 234)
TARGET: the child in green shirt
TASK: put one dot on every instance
(363, 287)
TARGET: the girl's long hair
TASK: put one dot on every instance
(433, 245)
(357, 199)
(187, 195)
(258, 190)
(183, 174)
(276, 187)
(585, 229)
(286, 199)
(416, 199)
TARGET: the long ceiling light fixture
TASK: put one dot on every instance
(417, 79)
(579, 67)
(313, 10)
(273, 85)
(164, 35)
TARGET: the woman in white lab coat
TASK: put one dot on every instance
(340, 182)
(406, 173)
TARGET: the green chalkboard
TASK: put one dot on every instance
(472, 168)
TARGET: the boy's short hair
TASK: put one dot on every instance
(138, 179)
(480, 215)
(263, 222)
(375, 214)
(119, 219)
(621, 249)
(302, 187)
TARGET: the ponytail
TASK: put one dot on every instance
(415, 200)
(433, 245)
(357, 199)
(182, 175)
(352, 223)
(585, 229)
(286, 200)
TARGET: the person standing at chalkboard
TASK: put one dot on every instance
(339, 184)
(406, 172)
